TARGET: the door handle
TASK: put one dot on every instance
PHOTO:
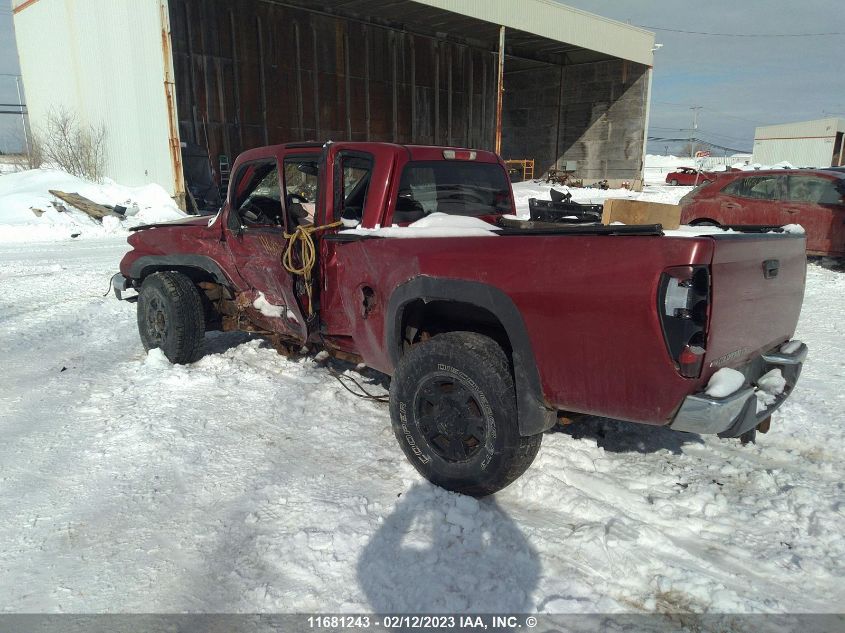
(793, 211)
(731, 205)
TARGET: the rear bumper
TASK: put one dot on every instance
(737, 413)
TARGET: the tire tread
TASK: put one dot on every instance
(189, 324)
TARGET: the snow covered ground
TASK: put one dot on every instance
(667, 194)
(248, 482)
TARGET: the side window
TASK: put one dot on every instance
(756, 187)
(258, 195)
(301, 182)
(352, 182)
(812, 189)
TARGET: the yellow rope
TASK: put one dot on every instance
(303, 236)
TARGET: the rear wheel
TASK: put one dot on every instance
(453, 408)
(171, 317)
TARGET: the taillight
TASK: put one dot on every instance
(683, 302)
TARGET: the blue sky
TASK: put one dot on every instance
(740, 82)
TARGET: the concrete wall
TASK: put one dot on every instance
(103, 61)
(594, 114)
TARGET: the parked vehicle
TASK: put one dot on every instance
(688, 176)
(489, 333)
(809, 197)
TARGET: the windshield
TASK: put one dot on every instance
(452, 187)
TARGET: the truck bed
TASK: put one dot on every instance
(587, 297)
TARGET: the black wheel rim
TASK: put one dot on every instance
(156, 320)
(450, 418)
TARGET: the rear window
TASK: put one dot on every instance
(452, 187)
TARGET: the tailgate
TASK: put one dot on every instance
(757, 291)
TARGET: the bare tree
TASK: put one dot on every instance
(66, 143)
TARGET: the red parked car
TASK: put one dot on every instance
(811, 198)
(689, 176)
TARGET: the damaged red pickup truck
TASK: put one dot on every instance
(490, 327)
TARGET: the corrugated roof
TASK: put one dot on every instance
(537, 29)
(561, 23)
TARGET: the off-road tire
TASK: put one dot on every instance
(452, 368)
(171, 317)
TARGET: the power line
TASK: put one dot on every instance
(658, 28)
(698, 140)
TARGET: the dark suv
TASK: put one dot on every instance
(811, 198)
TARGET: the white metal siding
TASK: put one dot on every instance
(803, 144)
(102, 60)
(802, 129)
(560, 22)
(806, 152)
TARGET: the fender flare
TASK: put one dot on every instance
(138, 268)
(535, 416)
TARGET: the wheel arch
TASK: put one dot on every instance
(196, 267)
(475, 306)
(705, 222)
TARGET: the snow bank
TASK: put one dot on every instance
(434, 225)
(28, 212)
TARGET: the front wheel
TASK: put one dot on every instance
(453, 408)
(171, 317)
(673, 182)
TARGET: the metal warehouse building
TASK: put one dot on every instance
(806, 144)
(228, 75)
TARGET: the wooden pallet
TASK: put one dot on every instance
(96, 211)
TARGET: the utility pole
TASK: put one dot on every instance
(694, 130)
